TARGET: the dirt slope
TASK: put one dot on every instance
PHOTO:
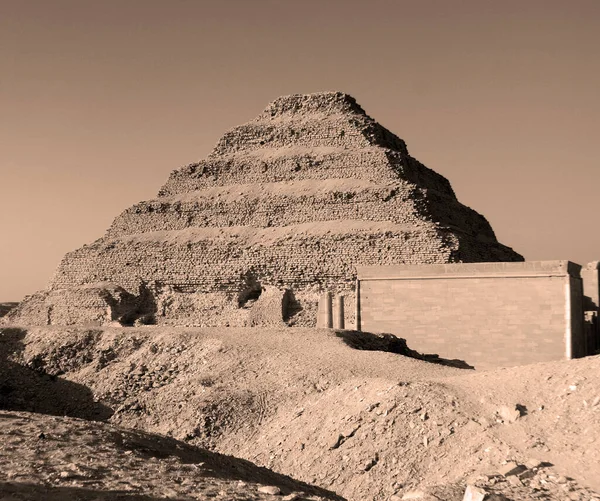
(368, 425)
(53, 458)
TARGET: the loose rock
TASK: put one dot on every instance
(510, 468)
(509, 414)
(473, 493)
(269, 489)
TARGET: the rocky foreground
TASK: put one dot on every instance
(53, 458)
(339, 411)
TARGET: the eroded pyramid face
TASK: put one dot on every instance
(292, 200)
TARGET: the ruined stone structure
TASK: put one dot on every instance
(486, 314)
(285, 207)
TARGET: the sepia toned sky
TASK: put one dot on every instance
(99, 101)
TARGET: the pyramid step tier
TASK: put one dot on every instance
(299, 163)
(330, 103)
(296, 256)
(296, 202)
(314, 130)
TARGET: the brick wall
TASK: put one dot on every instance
(486, 314)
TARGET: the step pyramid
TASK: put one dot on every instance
(284, 208)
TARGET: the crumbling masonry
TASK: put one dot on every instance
(284, 208)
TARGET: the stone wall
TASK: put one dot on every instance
(218, 259)
(486, 314)
(90, 304)
(295, 162)
(297, 202)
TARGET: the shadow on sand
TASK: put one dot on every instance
(26, 389)
(36, 492)
(142, 446)
(388, 342)
(215, 465)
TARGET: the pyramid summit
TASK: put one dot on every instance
(295, 134)
(284, 208)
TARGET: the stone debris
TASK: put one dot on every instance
(519, 482)
(270, 489)
(510, 468)
(533, 463)
(294, 496)
(415, 495)
(529, 473)
(371, 463)
(422, 495)
(473, 493)
(514, 480)
(509, 414)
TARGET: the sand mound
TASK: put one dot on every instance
(364, 423)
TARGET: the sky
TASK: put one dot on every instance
(100, 101)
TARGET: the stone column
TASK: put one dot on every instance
(339, 312)
(357, 306)
(325, 312)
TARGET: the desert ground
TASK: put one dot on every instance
(292, 413)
